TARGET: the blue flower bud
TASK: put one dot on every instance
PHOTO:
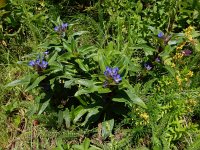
(32, 63)
(148, 65)
(160, 35)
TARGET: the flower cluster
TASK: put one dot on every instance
(178, 56)
(180, 47)
(188, 32)
(38, 64)
(61, 28)
(112, 75)
(179, 80)
(190, 74)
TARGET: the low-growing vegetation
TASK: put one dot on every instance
(91, 75)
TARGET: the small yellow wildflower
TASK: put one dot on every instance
(145, 116)
(179, 80)
(178, 56)
(189, 30)
(190, 74)
(180, 47)
(4, 43)
(173, 65)
(191, 102)
(188, 33)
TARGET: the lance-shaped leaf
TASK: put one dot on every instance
(43, 107)
(135, 99)
(107, 127)
(35, 83)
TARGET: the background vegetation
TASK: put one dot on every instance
(88, 74)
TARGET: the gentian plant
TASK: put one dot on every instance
(72, 84)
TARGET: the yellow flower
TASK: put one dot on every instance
(190, 74)
(188, 33)
(178, 56)
(191, 102)
(179, 80)
(189, 29)
(145, 116)
(180, 47)
(173, 65)
(4, 43)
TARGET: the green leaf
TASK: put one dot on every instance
(148, 85)
(85, 82)
(78, 147)
(85, 50)
(86, 144)
(147, 49)
(83, 66)
(91, 112)
(67, 117)
(32, 110)
(60, 118)
(79, 33)
(165, 53)
(92, 89)
(79, 112)
(53, 58)
(35, 83)
(55, 67)
(43, 107)
(101, 89)
(23, 81)
(107, 127)
(69, 83)
(135, 99)
(139, 7)
(171, 70)
(83, 91)
(67, 46)
(121, 100)
(102, 61)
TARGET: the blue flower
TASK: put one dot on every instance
(160, 35)
(43, 64)
(148, 65)
(39, 64)
(158, 59)
(32, 63)
(107, 72)
(56, 28)
(112, 75)
(61, 28)
(117, 78)
(64, 26)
